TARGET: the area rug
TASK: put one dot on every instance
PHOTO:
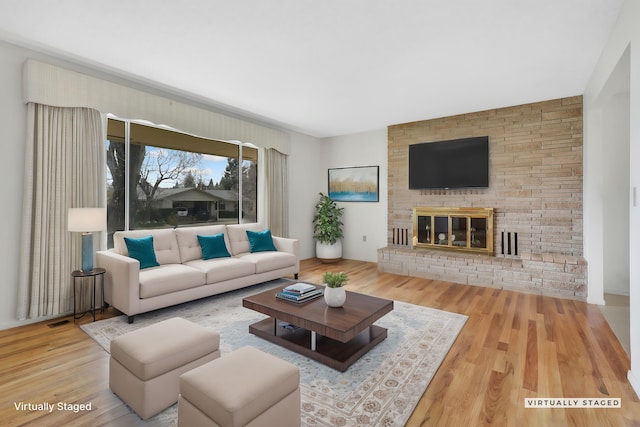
(381, 389)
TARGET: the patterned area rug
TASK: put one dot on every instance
(380, 389)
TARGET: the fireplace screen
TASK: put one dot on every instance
(466, 229)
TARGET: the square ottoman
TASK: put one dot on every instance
(247, 387)
(146, 364)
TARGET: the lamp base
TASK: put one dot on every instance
(87, 252)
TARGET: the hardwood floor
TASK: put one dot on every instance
(513, 346)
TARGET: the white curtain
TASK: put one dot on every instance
(64, 168)
(277, 192)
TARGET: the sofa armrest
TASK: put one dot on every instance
(122, 281)
(291, 246)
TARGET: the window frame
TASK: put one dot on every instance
(186, 142)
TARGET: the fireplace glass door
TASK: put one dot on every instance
(478, 231)
(425, 229)
(465, 229)
(441, 231)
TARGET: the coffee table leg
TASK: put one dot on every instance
(313, 341)
(275, 327)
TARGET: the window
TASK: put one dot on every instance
(163, 178)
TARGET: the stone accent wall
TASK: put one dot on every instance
(535, 188)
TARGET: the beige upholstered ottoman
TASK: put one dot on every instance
(146, 364)
(247, 387)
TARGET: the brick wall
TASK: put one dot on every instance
(535, 182)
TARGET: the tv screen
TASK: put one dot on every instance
(458, 163)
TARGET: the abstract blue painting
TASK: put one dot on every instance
(354, 184)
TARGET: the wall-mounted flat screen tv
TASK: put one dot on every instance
(458, 163)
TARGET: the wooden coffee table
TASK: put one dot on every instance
(336, 337)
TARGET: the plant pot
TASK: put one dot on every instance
(329, 253)
(335, 297)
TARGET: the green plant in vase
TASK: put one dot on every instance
(327, 229)
(335, 280)
(334, 293)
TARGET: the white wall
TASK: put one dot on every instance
(361, 219)
(306, 169)
(616, 203)
(626, 35)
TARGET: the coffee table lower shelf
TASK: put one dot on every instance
(330, 352)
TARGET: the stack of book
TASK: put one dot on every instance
(299, 292)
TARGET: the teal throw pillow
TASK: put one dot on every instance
(142, 250)
(213, 246)
(260, 241)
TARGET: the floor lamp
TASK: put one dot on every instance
(86, 221)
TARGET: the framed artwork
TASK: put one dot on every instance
(355, 184)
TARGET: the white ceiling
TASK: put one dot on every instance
(330, 67)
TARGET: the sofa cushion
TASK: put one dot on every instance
(238, 236)
(269, 261)
(188, 244)
(165, 244)
(142, 249)
(213, 246)
(260, 241)
(169, 278)
(220, 269)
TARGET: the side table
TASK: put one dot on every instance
(78, 274)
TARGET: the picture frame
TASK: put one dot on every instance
(354, 184)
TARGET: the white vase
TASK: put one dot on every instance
(334, 297)
(329, 253)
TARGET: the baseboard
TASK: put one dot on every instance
(634, 381)
(621, 292)
(17, 323)
(595, 301)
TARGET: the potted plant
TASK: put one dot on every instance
(327, 229)
(334, 293)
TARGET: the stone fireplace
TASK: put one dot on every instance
(535, 191)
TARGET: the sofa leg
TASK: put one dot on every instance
(295, 276)
(130, 319)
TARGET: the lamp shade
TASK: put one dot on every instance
(85, 220)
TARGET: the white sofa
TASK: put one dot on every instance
(182, 274)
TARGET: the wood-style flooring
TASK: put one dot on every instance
(513, 346)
